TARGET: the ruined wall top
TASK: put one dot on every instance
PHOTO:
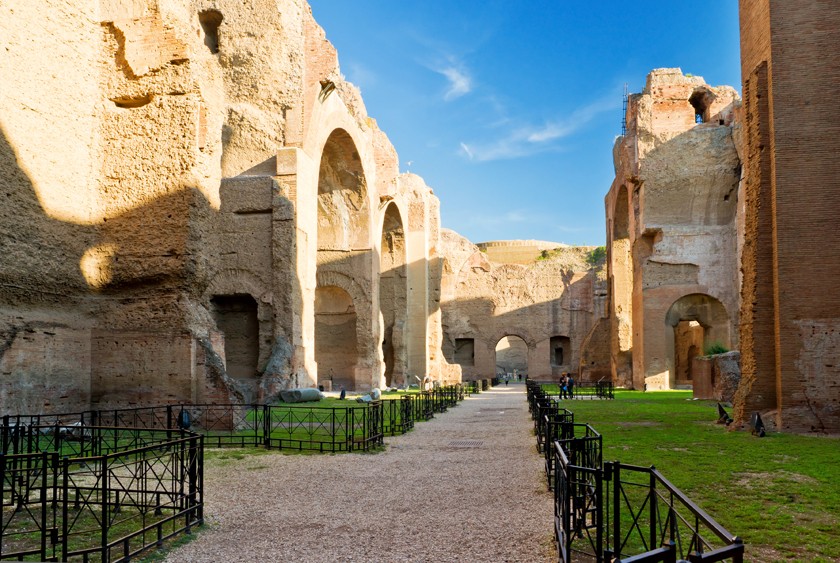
(517, 251)
(671, 104)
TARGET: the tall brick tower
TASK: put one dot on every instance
(790, 300)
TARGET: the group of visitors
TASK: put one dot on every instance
(567, 386)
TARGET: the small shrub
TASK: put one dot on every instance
(597, 256)
(715, 348)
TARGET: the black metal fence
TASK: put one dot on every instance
(613, 511)
(105, 485)
(581, 391)
(104, 495)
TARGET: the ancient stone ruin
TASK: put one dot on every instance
(197, 207)
(672, 234)
(195, 211)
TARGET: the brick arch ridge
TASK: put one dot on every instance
(345, 282)
(232, 281)
(525, 335)
(671, 317)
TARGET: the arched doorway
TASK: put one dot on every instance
(335, 337)
(343, 254)
(393, 304)
(511, 356)
(236, 318)
(696, 321)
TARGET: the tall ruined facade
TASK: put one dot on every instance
(671, 231)
(198, 208)
(790, 308)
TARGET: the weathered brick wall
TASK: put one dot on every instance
(797, 43)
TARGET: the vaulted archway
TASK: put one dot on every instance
(393, 295)
(695, 322)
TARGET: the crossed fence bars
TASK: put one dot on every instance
(353, 427)
(60, 505)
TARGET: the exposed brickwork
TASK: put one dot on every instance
(791, 254)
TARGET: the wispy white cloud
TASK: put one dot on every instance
(460, 82)
(527, 139)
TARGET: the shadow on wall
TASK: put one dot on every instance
(112, 313)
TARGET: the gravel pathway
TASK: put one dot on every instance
(425, 498)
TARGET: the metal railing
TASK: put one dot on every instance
(116, 493)
(355, 427)
(611, 511)
(581, 391)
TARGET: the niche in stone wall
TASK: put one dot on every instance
(701, 99)
(236, 318)
(210, 21)
(560, 348)
(464, 351)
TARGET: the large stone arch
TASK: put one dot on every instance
(329, 128)
(621, 282)
(344, 209)
(525, 336)
(516, 357)
(393, 294)
(694, 321)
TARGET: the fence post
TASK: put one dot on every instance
(192, 475)
(65, 499)
(598, 472)
(5, 435)
(106, 513)
(616, 479)
(653, 507)
(266, 426)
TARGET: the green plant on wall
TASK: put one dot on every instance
(713, 348)
(596, 256)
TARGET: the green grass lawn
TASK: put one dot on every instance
(780, 493)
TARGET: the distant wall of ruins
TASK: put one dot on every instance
(181, 178)
(671, 230)
(790, 310)
(551, 304)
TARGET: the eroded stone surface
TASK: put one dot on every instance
(173, 172)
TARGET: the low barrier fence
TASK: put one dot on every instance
(104, 496)
(104, 485)
(617, 512)
(582, 391)
(355, 427)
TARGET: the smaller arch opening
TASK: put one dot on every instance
(512, 356)
(210, 21)
(701, 101)
(464, 351)
(236, 318)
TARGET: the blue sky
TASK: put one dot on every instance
(509, 108)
